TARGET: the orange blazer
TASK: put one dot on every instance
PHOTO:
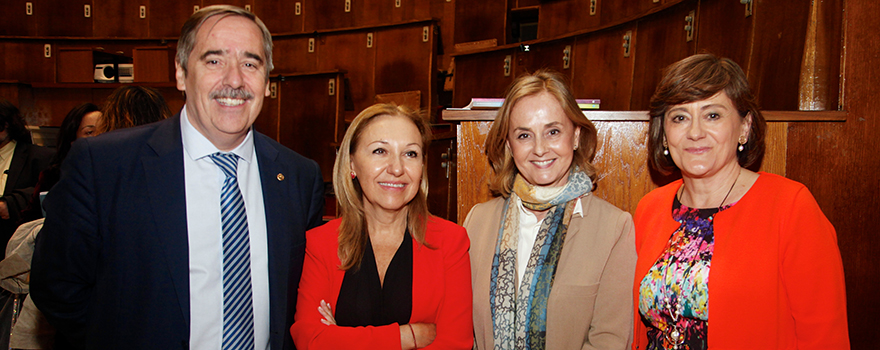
(776, 280)
(441, 292)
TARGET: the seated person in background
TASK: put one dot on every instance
(397, 277)
(79, 123)
(729, 258)
(31, 330)
(131, 106)
(21, 163)
(127, 106)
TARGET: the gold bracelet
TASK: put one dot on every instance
(414, 336)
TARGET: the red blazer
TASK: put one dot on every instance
(776, 280)
(441, 292)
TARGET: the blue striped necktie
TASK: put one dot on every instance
(238, 308)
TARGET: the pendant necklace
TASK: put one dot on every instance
(676, 336)
(679, 192)
(728, 193)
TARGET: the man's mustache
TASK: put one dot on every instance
(232, 93)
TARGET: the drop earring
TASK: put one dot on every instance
(665, 148)
(742, 142)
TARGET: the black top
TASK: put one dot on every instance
(363, 301)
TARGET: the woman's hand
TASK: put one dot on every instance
(412, 336)
(326, 313)
(425, 333)
(417, 335)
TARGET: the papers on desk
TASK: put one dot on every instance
(495, 103)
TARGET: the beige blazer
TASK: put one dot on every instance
(590, 305)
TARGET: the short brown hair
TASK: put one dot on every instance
(500, 158)
(191, 28)
(353, 229)
(697, 78)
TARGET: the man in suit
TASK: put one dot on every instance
(186, 233)
(20, 165)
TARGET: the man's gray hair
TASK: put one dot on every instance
(192, 25)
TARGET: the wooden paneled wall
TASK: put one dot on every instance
(769, 47)
(339, 33)
(164, 18)
(377, 60)
(621, 157)
(313, 129)
(840, 163)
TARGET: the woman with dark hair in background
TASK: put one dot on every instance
(21, 163)
(131, 106)
(729, 258)
(31, 330)
(127, 106)
(79, 123)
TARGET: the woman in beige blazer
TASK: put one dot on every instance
(552, 265)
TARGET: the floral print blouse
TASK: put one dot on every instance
(674, 295)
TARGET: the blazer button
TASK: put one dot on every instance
(280, 177)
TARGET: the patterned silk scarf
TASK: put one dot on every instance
(519, 315)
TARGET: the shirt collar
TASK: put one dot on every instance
(578, 208)
(198, 146)
(7, 150)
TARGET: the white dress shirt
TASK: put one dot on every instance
(6, 153)
(528, 234)
(204, 182)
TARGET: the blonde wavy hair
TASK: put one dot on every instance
(353, 229)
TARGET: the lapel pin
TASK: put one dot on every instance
(280, 177)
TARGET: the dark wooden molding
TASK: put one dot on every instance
(770, 116)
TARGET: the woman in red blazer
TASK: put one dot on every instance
(729, 258)
(387, 274)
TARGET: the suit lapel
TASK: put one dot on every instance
(274, 179)
(574, 225)
(167, 193)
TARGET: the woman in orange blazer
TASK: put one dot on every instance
(729, 258)
(386, 275)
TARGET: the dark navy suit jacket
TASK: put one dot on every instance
(111, 268)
